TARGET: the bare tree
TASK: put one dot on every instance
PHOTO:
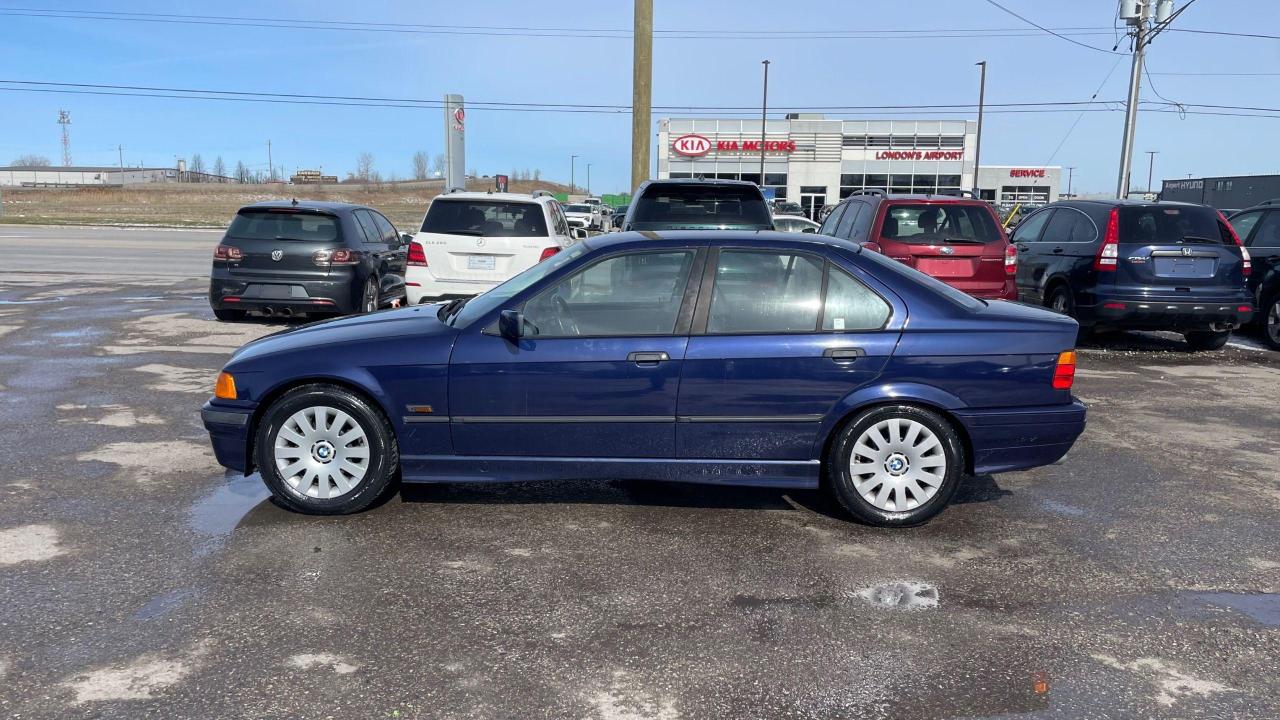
(219, 168)
(421, 165)
(197, 164)
(472, 173)
(537, 174)
(242, 172)
(31, 160)
(437, 164)
(364, 166)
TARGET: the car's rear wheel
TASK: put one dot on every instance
(228, 315)
(369, 299)
(1270, 312)
(1207, 339)
(1060, 301)
(324, 450)
(895, 465)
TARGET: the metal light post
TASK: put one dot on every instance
(589, 178)
(1151, 166)
(764, 111)
(573, 160)
(977, 149)
(1071, 172)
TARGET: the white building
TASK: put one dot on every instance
(815, 161)
(80, 176)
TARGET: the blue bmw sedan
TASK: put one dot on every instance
(736, 358)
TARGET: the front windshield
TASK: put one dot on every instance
(577, 208)
(487, 302)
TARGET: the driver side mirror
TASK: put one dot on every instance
(405, 239)
(578, 233)
(511, 325)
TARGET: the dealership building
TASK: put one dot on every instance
(815, 161)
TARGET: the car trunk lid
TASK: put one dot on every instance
(281, 243)
(1177, 251)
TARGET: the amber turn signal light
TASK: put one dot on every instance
(225, 388)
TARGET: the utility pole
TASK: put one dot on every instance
(1151, 166)
(977, 148)
(589, 178)
(120, 152)
(764, 112)
(1071, 172)
(1146, 26)
(641, 90)
(573, 160)
(64, 119)
(271, 168)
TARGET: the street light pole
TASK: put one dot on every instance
(589, 178)
(1151, 166)
(764, 111)
(977, 149)
(1131, 106)
(573, 159)
(1071, 172)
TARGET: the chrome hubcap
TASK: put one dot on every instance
(1273, 322)
(322, 452)
(897, 465)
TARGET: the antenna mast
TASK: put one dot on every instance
(64, 119)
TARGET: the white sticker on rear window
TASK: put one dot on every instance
(838, 323)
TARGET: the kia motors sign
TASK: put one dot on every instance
(691, 145)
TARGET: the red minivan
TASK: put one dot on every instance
(957, 240)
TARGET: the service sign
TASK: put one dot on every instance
(1027, 172)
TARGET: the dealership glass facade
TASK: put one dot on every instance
(813, 160)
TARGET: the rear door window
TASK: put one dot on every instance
(1169, 225)
(850, 305)
(1028, 231)
(370, 228)
(1268, 234)
(1060, 227)
(1243, 225)
(485, 218)
(765, 292)
(283, 225)
(929, 223)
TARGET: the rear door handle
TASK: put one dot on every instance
(648, 357)
(1057, 250)
(844, 354)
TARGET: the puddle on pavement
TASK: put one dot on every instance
(86, 332)
(164, 604)
(217, 514)
(1061, 508)
(1263, 608)
(30, 302)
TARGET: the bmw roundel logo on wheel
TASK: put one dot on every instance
(691, 145)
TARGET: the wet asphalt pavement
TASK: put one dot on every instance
(1139, 577)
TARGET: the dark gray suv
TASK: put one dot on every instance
(698, 205)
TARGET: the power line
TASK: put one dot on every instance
(1214, 74)
(1051, 32)
(1225, 33)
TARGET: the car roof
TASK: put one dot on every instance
(696, 181)
(1115, 202)
(938, 198)
(507, 197)
(644, 238)
(327, 206)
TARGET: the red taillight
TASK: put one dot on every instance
(340, 256)
(1247, 262)
(227, 252)
(548, 252)
(1109, 250)
(1010, 260)
(417, 256)
(873, 247)
(1065, 372)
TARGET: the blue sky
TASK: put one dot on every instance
(806, 72)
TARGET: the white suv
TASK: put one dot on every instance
(470, 242)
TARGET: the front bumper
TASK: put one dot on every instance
(1006, 439)
(1145, 314)
(229, 434)
(298, 295)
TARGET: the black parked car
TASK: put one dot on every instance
(619, 215)
(688, 204)
(1122, 264)
(282, 258)
(1259, 229)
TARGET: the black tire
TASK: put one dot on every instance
(1060, 301)
(381, 476)
(839, 473)
(369, 297)
(1207, 339)
(228, 315)
(1269, 321)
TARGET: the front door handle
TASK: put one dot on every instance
(648, 357)
(1058, 250)
(844, 354)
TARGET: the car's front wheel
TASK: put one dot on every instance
(895, 465)
(324, 450)
(1207, 339)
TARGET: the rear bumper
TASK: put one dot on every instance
(329, 295)
(1005, 439)
(229, 434)
(1149, 314)
(419, 288)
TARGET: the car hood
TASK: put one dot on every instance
(419, 321)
